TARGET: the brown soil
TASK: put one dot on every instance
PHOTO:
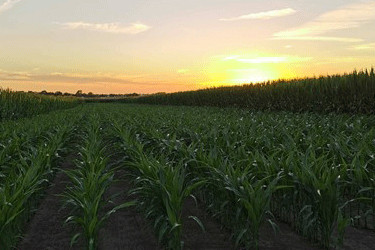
(127, 229)
(46, 230)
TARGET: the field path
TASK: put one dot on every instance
(125, 229)
(46, 231)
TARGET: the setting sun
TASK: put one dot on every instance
(242, 76)
(228, 70)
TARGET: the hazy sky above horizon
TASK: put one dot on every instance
(149, 46)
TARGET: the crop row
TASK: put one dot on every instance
(348, 93)
(312, 171)
(90, 180)
(14, 105)
(28, 162)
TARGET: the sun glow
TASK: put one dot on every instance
(228, 70)
(253, 67)
(247, 76)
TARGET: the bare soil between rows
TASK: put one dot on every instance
(128, 230)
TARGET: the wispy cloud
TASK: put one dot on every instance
(275, 59)
(262, 15)
(115, 28)
(230, 57)
(324, 38)
(241, 70)
(348, 17)
(264, 60)
(341, 59)
(67, 77)
(17, 75)
(182, 71)
(368, 46)
(8, 4)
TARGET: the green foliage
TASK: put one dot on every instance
(311, 171)
(248, 168)
(29, 171)
(161, 183)
(89, 182)
(348, 93)
(14, 105)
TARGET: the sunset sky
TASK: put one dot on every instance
(149, 46)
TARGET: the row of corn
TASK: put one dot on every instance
(348, 93)
(89, 182)
(312, 171)
(161, 183)
(29, 156)
(14, 105)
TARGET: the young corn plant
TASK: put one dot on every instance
(251, 197)
(319, 185)
(308, 148)
(24, 185)
(162, 188)
(89, 181)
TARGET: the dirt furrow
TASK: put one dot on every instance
(46, 230)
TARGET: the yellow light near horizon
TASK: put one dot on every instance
(245, 76)
(228, 70)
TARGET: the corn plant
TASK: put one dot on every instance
(323, 163)
(162, 188)
(347, 93)
(14, 105)
(238, 197)
(89, 182)
(29, 174)
(161, 183)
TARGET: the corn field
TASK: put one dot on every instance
(247, 168)
(348, 93)
(314, 172)
(14, 105)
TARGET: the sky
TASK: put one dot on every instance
(149, 46)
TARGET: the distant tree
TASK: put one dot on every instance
(79, 93)
(58, 93)
(90, 94)
(44, 92)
